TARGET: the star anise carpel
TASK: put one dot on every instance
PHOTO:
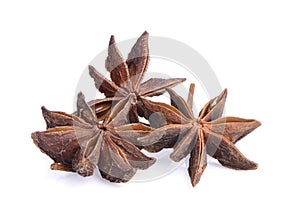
(108, 133)
(126, 77)
(206, 134)
(80, 142)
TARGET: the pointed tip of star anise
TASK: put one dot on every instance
(44, 109)
(255, 123)
(80, 96)
(145, 33)
(143, 37)
(222, 96)
(112, 40)
(91, 68)
(34, 137)
(80, 100)
(76, 142)
(245, 165)
(45, 112)
(196, 178)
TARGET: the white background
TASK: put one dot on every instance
(253, 47)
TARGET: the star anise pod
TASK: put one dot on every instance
(126, 78)
(208, 133)
(80, 143)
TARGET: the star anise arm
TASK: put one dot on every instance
(222, 149)
(131, 132)
(87, 158)
(233, 128)
(214, 108)
(133, 154)
(116, 65)
(185, 145)
(84, 111)
(101, 107)
(191, 96)
(61, 141)
(138, 59)
(119, 114)
(113, 164)
(104, 85)
(155, 119)
(134, 127)
(180, 104)
(170, 113)
(82, 165)
(157, 86)
(54, 119)
(133, 114)
(58, 143)
(62, 167)
(198, 160)
(162, 137)
(90, 147)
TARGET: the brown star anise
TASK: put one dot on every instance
(106, 133)
(208, 133)
(79, 142)
(126, 78)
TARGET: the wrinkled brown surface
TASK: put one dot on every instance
(126, 77)
(60, 140)
(106, 133)
(52, 142)
(207, 134)
(79, 143)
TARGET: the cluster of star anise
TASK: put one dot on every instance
(107, 133)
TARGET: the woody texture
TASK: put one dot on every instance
(107, 134)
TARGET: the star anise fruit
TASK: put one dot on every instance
(106, 133)
(208, 133)
(126, 79)
(79, 142)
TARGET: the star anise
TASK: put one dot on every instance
(79, 142)
(126, 78)
(106, 133)
(208, 133)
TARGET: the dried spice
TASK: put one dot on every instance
(106, 133)
(206, 134)
(80, 143)
(126, 78)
